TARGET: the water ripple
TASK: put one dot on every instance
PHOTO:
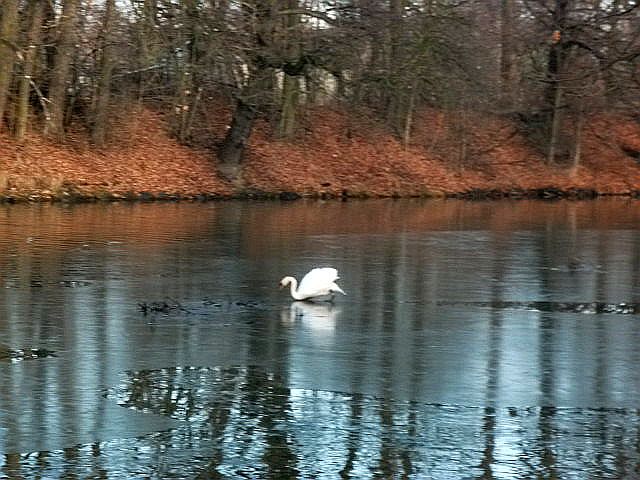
(245, 422)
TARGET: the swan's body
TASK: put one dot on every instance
(317, 285)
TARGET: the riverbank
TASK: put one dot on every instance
(334, 156)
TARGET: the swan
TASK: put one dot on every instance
(317, 285)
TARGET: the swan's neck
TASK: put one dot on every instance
(293, 284)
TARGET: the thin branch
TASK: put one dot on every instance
(310, 13)
(43, 100)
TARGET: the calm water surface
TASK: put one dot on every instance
(478, 340)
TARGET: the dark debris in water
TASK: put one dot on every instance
(164, 306)
(559, 307)
(36, 283)
(206, 306)
(231, 303)
(8, 354)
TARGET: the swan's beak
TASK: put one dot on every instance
(280, 286)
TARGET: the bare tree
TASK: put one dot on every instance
(553, 62)
(103, 93)
(290, 79)
(507, 56)
(585, 47)
(8, 51)
(61, 69)
(35, 17)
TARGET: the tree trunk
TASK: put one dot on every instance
(193, 109)
(8, 30)
(395, 94)
(185, 100)
(182, 104)
(556, 54)
(554, 69)
(232, 148)
(554, 136)
(408, 119)
(290, 95)
(49, 47)
(259, 86)
(507, 74)
(103, 94)
(146, 35)
(33, 38)
(290, 83)
(577, 152)
(61, 68)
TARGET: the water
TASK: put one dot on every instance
(478, 340)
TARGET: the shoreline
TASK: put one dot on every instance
(544, 194)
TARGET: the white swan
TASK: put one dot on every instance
(317, 285)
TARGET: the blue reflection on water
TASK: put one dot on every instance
(242, 422)
(477, 341)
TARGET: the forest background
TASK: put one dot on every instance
(214, 98)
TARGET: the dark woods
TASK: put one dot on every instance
(72, 65)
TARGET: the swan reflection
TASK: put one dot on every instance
(318, 317)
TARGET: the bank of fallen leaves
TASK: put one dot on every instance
(146, 159)
(333, 154)
(337, 154)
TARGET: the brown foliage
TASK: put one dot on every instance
(334, 154)
(147, 160)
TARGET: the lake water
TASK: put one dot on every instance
(493, 340)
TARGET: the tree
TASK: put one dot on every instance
(507, 56)
(8, 51)
(35, 16)
(263, 55)
(553, 62)
(103, 93)
(290, 79)
(61, 68)
(584, 47)
(555, 69)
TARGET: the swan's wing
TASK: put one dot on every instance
(318, 281)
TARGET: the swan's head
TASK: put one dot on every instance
(286, 281)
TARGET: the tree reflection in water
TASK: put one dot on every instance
(472, 344)
(243, 422)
